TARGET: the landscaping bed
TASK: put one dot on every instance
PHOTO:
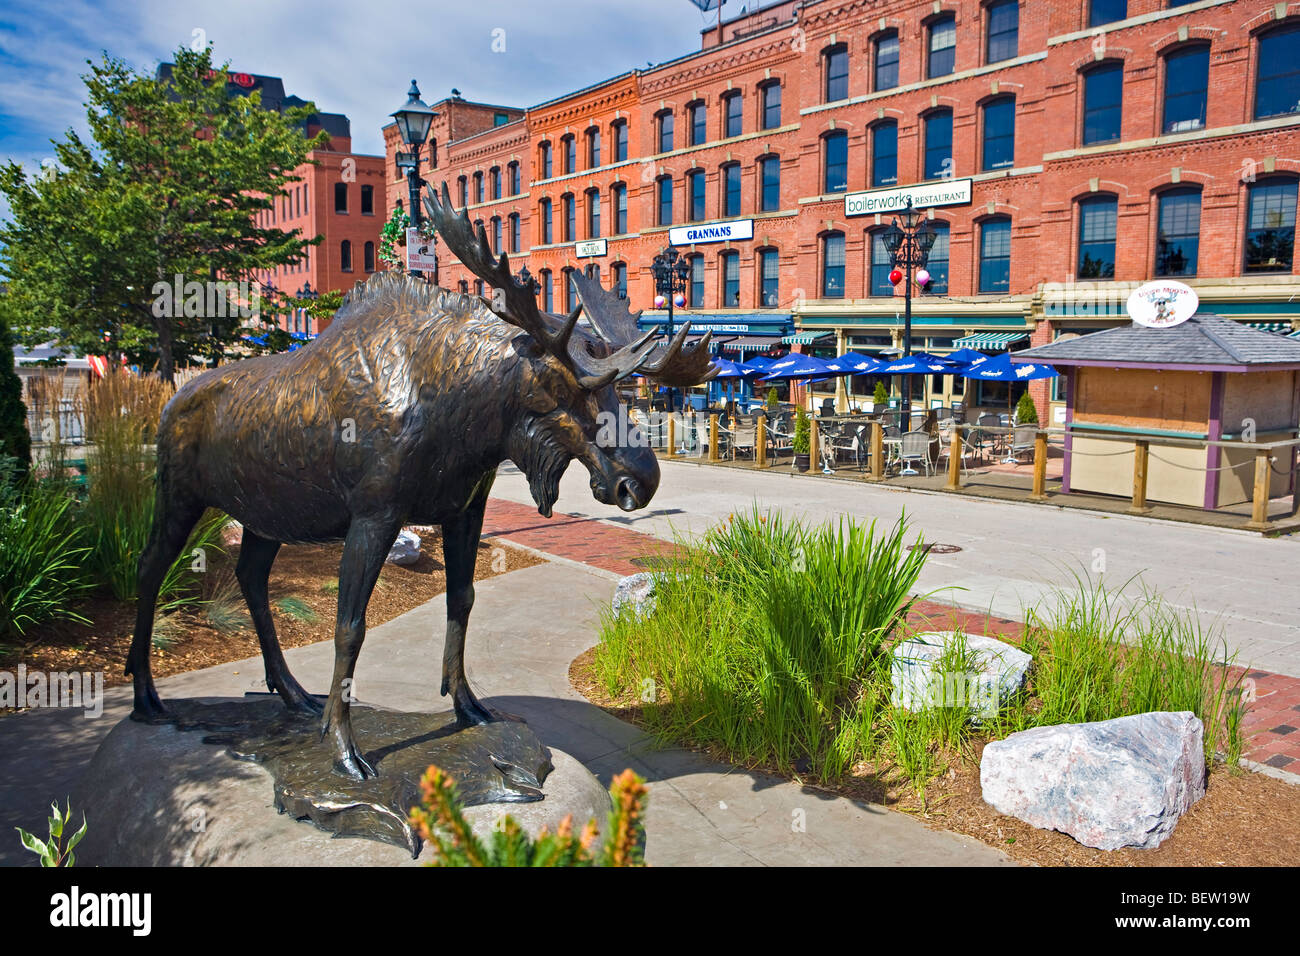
(781, 664)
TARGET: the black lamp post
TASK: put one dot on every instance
(414, 120)
(268, 293)
(672, 272)
(909, 248)
(309, 294)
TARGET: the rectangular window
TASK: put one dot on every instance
(772, 106)
(735, 118)
(620, 280)
(547, 224)
(837, 75)
(695, 188)
(938, 145)
(880, 265)
(548, 292)
(514, 232)
(697, 282)
(514, 179)
(699, 125)
(937, 263)
(887, 62)
(496, 234)
(770, 170)
(995, 256)
(478, 187)
(1103, 90)
(769, 271)
(1097, 219)
(884, 155)
(943, 47)
(494, 181)
(1004, 30)
(593, 215)
(1179, 233)
(620, 210)
(833, 266)
(666, 133)
(367, 200)
(1187, 79)
(546, 160)
(837, 163)
(1277, 79)
(570, 155)
(620, 142)
(570, 219)
(731, 192)
(730, 280)
(665, 202)
(1270, 227)
(340, 199)
(1000, 134)
(593, 149)
(1101, 12)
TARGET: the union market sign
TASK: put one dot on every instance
(945, 192)
(712, 232)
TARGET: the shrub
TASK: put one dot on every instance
(41, 560)
(802, 440)
(881, 395)
(440, 821)
(773, 401)
(1026, 412)
(14, 439)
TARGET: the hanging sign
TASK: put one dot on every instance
(1162, 304)
(419, 252)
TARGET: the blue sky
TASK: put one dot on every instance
(361, 69)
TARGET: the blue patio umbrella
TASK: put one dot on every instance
(918, 364)
(760, 363)
(854, 363)
(967, 357)
(797, 367)
(729, 369)
(1000, 368)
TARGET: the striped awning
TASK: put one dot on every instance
(989, 341)
(1294, 335)
(805, 338)
(751, 343)
(1282, 328)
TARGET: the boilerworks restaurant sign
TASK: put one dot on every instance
(946, 192)
(712, 232)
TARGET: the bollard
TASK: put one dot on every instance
(1259, 506)
(713, 437)
(671, 450)
(1141, 448)
(760, 441)
(814, 444)
(1040, 467)
(877, 451)
(954, 458)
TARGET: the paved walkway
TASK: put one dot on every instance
(526, 629)
(690, 499)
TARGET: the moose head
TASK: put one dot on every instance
(571, 409)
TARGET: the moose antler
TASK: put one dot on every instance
(629, 350)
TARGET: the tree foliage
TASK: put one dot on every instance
(171, 184)
(15, 441)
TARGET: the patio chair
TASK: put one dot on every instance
(828, 407)
(915, 447)
(945, 443)
(851, 440)
(1022, 441)
(987, 434)
(744, 437)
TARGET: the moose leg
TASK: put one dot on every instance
(367, 545)
(460, 537)
(256, 555)
(172, 525)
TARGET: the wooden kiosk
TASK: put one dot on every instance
(1188, 392)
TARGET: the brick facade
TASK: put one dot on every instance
(1039, 189)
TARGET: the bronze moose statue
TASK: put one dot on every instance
(400, 412)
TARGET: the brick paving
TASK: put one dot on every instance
(1272, 724)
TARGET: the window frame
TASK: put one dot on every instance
(1179, 53)
(876, 43)
(839, 136)
(829, 59)
(983, 259)
(927, 148)
(990, 36)
(1110, 202)
(826, 267)
(1106, 67)
(1166, 195)
(1289, 27)
(945, 19)
(994, 102)
(766, 106)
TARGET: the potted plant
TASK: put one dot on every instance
(1026, 412)
(802, 440)
(880, 398)
(773, 403)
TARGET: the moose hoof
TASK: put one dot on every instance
(355, 766)
(304, 704)
(473, 714)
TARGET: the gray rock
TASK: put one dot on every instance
(999, 671)
(636, 592)
(406, 549)
(1113, 783)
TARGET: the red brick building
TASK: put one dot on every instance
(1083, 146)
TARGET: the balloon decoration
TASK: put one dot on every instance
(896, 276)
(660, 302)
(679, 300)
(923, 278)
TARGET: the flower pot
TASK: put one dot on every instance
(802, 462)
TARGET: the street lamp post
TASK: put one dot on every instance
(414, 120)
(909, 248)
(671, 272)
(307, 293)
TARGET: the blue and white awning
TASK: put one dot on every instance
(989, 341)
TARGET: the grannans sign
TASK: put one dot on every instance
(1163, 304)
(712, 232)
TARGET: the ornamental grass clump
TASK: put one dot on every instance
(767, 641)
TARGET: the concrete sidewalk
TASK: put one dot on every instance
(1011, 555)
(527, 627)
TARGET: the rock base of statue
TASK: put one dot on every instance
(203, 789)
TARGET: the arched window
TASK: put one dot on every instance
(544, 156)
(1103, 89)
(462, 191)
(1178, 231)
(570, 146)
(513, 176)
(345, 255)
(995, 255)
(514, 232)
(833, 265)
(938, 144)
(464, 286)
(570, 291)
(496, 234)
(1003, 30)
(369, 252)
(1277, 72)
(593, 214)
(999, 147)
(769, 184)
(696, 300)
(880, 264)
(730, 262)
(771, 94)
(695, 210)
(835, 65)
(1187, 82)
(478, 186)
(937, 263)
(619, 269)
(547, 221)
(619, 129)
(941, 33)
(836, 164)
(1270, 225)
(769, 279)
(494, 181)
(885, 48)
(664, 189)
(547, 291)
(884, 154)
(618, 195)
(593, 148)
(665, 122)
(1101, 12)
(733, 113)
(731, 189)
(697, 117)
(1098, 216)
(570, 217)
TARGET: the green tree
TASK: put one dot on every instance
(171, 185)
(1026, 412)
(15, 442)
(881, 395)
